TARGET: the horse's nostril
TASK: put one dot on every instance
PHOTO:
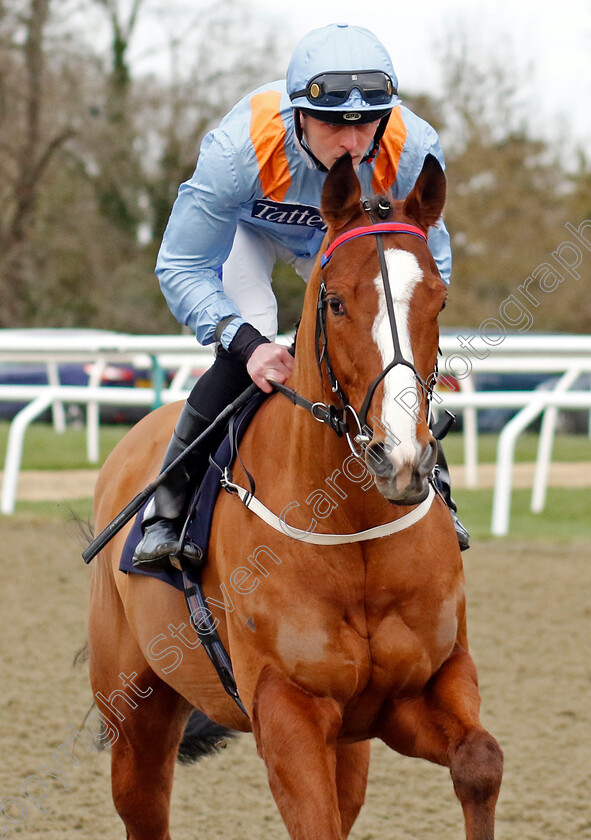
(432, 450)
(428, 459)
(377, 459)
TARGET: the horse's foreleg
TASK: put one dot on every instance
(352, 770)
(443, 725)
(296, 736)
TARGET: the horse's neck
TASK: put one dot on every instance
(311, 466)
(314, 462)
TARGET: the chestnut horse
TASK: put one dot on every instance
(332, 645)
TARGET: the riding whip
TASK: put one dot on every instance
(134, 506)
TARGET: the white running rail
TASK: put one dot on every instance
(562, 356)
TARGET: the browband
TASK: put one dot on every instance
(384, 227)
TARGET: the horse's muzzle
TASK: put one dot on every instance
(401, 474)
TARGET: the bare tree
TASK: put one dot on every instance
(29, 151)
(508, 194)
(114, 149)
(92, 150)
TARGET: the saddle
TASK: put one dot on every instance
(200, 515)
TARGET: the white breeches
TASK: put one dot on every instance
(247, 276)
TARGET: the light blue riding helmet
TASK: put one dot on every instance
(342, 74)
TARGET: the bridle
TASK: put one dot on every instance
(337, 417)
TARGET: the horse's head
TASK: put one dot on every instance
(378, 316)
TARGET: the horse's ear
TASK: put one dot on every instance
(341, 194)
(425, 202)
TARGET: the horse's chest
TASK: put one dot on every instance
(410, 641)
(325, 657)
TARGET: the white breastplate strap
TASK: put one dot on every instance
(258, 508)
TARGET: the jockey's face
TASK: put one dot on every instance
(329, 142)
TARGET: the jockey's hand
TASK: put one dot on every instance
(269, 361)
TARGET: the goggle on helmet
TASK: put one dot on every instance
(342, 74)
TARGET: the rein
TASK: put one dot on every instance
(328, 414)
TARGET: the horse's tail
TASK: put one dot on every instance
(202, 737)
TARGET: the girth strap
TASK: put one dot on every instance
(204, 627)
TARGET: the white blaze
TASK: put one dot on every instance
(400, 387)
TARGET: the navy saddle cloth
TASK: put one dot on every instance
(201, 513)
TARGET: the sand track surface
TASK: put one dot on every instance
(530, 626)
(36, 485)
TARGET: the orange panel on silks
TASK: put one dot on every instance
(391, 146)
(267, 134)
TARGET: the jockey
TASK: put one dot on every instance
(254, 199)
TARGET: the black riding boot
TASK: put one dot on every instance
(166, 512)
(443, 482)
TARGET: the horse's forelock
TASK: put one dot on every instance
(341, 194)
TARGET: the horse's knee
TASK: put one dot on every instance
(279, 704)
(476, 767)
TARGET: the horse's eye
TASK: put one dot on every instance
(337, 307)
(443, 305)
